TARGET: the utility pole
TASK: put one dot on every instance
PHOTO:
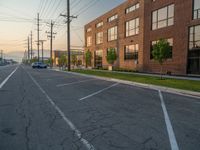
(68, 35)
(1, 60)
(1, 54)
(51, 33)
(69, 19)
(42, 43)
(28, 48)
(38, 36)
(31, 45)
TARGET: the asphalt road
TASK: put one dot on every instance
(49, 110)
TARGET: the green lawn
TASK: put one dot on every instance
(173, 83)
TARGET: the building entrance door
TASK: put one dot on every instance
(194, 61)
(98, 58)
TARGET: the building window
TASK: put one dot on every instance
(170, 40)
(132, 27)
(131, 52)
(194, 50)
(112, 33)
(89, 30)
(194, 40)
(163, 17)
(99, 24)
(132, 8)
(112, 18)
(99, 38)
(89, 41)
(196, 9)
(98, 58)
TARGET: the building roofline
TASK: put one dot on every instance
(99, 18)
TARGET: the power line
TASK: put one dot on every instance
(81, 11)
(47, 8)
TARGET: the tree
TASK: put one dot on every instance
(111, 56)
(34, 59)
(161, 52)
(88, 58)
(62, 61)
(74, 59)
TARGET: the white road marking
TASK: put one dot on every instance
(77, 82)
(8, 77)
(100, 91)
(69, 123)
(172, 138)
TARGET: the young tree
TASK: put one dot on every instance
(88, 58)
(62, 61)
(34, 59)
(161, 52)
(111, 56)
(74, 59)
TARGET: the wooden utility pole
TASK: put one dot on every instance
(69, 18)
(31, 45)
(42, 43)
(68, 35)
(38, 36)
(51, 33)
(28, 48)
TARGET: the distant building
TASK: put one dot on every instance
(58, 53)
(135, 25)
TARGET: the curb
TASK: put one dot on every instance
(141, 85)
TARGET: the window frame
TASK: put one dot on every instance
(100, 24)
(132, 55)
(166, 19)
(127, 10)
(115, 34)
(133, 29)
(99, 37)
(89, 43)
(112, 18)
(88, 29)
(193, 10)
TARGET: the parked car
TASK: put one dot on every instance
(38, 65)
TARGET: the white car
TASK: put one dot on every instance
(38, 65)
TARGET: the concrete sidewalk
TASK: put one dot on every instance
(193, 78)
(189, 77)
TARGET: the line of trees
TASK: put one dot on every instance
(161, 52)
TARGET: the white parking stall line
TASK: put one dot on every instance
(172, 138)
(100, 91)
(77, 82)
(69, 123)
(8, 77)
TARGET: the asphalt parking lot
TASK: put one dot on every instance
(49, 110)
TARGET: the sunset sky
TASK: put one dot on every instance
(18, 19)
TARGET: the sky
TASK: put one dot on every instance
(18, 19)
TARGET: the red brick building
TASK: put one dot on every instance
(134, 26)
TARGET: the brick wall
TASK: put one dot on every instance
(179, 32)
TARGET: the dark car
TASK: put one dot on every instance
(38, 65)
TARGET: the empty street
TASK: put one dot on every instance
(50, 110)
